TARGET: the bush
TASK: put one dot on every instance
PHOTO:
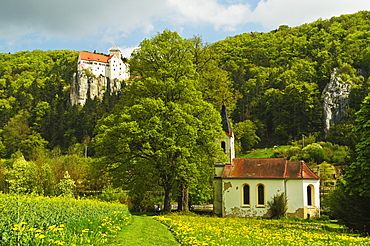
(66, 185)
(278, 206)
(349, 209)
(141, 201)
(111, 194)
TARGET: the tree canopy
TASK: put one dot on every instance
(163, 131)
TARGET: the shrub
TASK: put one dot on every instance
(141, 201)
(351, 210)
(66, 185)
(111, 194)
(278, 206)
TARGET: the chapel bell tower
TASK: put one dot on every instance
(227, 140)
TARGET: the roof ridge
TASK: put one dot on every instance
(285, 169)
(312, 172)
(301, 168)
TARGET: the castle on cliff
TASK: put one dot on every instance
(97, 74)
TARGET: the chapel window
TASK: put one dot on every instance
(309, 195)
(260, 194)
(246, 195)
(223, 146)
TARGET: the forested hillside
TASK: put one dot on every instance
(281, 75)
(164, 124)
(35, 106)
(278, 79)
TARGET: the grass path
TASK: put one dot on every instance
(144, 231)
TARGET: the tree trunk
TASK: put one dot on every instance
(167, 199)
(183, 200)
(179, 202)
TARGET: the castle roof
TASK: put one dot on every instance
(87, 56)
(272, 168)
(114, 48)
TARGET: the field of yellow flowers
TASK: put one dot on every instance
(203, 230)
(35, 220)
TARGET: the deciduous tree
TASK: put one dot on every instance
(163, 132)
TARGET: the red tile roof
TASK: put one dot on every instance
(93, 57)
(268, 168)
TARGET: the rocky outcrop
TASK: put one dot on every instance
(86, 86)
(336, 95)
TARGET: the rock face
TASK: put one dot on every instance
(336, 98)
(89, 86)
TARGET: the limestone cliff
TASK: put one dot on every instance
(336, 95)
(85, 85)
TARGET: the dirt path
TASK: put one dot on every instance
(144, 231)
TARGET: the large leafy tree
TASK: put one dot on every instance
(358, 173)
(213, 81)
(350, 201)
(163, 133)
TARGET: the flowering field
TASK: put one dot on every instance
(34, 220)
(202, 230)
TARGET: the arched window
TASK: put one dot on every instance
(260, 194)
(223, 146)
(246, 195)
(310, 190)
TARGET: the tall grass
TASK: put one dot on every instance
(35, 220)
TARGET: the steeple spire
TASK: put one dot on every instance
(225, 120)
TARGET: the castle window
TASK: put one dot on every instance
(260, 195)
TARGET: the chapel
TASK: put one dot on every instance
(243, 187)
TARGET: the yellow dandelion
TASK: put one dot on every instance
(51, 227)
(41, 236)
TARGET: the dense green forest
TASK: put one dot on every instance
(280, 76)
(272, 83)
(276, 80)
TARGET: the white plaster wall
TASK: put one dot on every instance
(229, 145)
(85, 65)
(297, 197)
(233, 195)
(117, 69)
(217, 196)
(295, 189)
(316, 185)
(232, 147)
(113, 66)
(295, 194)
(125, 73)
(98, 68)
